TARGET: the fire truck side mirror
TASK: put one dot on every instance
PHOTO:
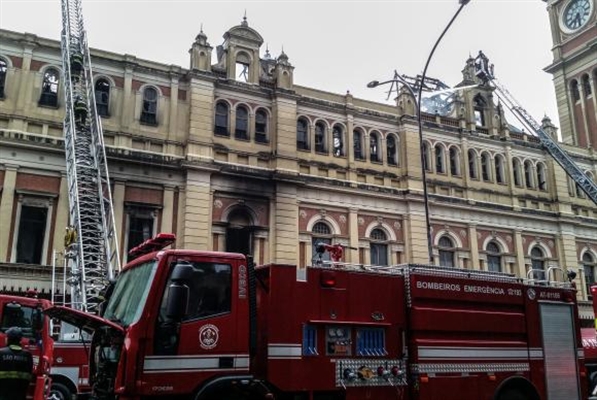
(178, 293)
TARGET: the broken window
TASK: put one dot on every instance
(3, 72)
(586, 85)
(485, 167)
(242, 71)
(221, 127)
(261, 126)
(102, 97)
(575, 91)
(338, 138)
(242, 123)
(150, 106)
(374, 147)
(141, 225)
(31, 233)
(440, 166)
(302, 134)
(49, 88)
(392, 150)
(320, 140)
(321, 233)
(472, 164)
(454, 162)
(358, 144)
(499, 169)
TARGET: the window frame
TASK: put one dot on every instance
(149, 107)
(103, 108)
(3, 77)
(446, 252)
(222, 130)
(48, 96)
(35, 201)
(304, 144)
(261, 127)
(239, 121)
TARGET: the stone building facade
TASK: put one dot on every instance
(232, 155)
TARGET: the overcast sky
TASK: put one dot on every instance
(334, 45)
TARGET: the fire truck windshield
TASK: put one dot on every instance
(15, 314)
(130, 293)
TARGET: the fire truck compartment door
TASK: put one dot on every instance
(559, 346)
(86, 322)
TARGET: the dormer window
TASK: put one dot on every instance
(243, 67)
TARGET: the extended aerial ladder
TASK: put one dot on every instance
(90, 241)
(484, 71)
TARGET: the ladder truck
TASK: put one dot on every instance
(484, 71)
(91, 242)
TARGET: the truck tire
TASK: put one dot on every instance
(512, 394)
(58, 391)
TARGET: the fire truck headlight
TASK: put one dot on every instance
(381, 371)
(395, 371)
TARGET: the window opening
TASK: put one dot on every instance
(528, 175)
(485, 167)
(426, 161)
(30, 240)
(472, 165)
(499, 169)
(374, 148)
(494, 260)
(538, 263)
(243, 72)
(446, 252)
(321, 233)
(320, 138)
(358, 145)
(102, 97)
(242, 123)
(3, 73)
(150, 106)
(588, 263)
(338, 140)
(260, 126)
(454, 161)
(391, 144)
(586, 85)
(575, 90)
(221, 127)
(379, 249)
(49, 89)
(439, 159)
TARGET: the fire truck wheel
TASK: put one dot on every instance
(59, 392)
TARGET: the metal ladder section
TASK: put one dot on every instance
(94, 254)
(552, 147)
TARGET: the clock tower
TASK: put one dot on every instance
(574, 68)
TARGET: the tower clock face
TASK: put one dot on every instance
(576, 14)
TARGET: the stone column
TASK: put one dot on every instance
(118, 207)
(417, 228)
(520, 268)
(474, 243)
(285, 226)
(167, 210)
(62, 214)
(197, 211)
(6, 209)
(352, 255)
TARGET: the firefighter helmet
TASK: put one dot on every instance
(14, 335)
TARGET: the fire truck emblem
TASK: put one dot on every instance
(531, 293)
(208, 336)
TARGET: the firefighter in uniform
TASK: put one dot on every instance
(16, 367)
(76, 65)
(80, 111)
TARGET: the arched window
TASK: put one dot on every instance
(494, 260)
(261, 126)
(221, 125)
(321, 233)
(440, 165)
(49, 88)
(150, 106)
(575, 91)
(541, 176)
(588, 265)
(528, 174)
(102, 97)
(472, 164)
(3, 72)
(426, 157)
(517, 172)
(392, 150)
(358, 144)
(538, 263)
(241, 130)
(446, 252)
(454, 162)
(338, 140)
(320, 138)
(302, 134)
(374, 153)
(379, 247)
(586, 85)
(479, 110)
(499, 169)
(485, 167)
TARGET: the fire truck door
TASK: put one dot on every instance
(204, 343)
(559, 347)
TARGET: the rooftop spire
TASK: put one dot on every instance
(245, 23)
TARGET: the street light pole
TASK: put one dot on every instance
(398, 78)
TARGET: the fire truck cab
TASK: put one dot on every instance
(26, 313)
(208, 325)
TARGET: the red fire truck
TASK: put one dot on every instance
(64, 360)
(26, 313)
(208, 325)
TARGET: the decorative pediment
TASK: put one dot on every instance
(244, 34)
